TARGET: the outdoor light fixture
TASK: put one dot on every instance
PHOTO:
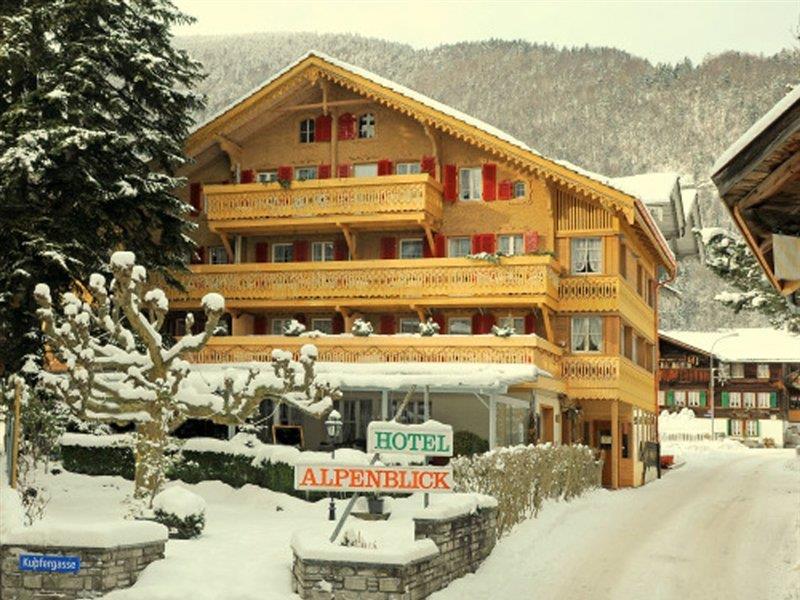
(333, 427)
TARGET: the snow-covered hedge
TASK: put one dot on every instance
(181, 511)
(521, 478)
(98, 454)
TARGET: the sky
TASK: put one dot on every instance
(658, 30)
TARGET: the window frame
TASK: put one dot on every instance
(267, 176)
(588, 319)
(403, 241)
(734, 399)
(357, 166)
(406, 166)
(274, 247)
(760, 367)
(502, 321)
(325, 244)
(472, 197)
(748, 399)
(751, 428)
(763, 399)
(516, 193)
(371, 128)
(214, 252)
(406, 320)
(308, 131)
(573, 253)
(737, 370)
(298, 173)
(316, 320)
(514, 238)
(275, 320)
(459, 239)
(463, 320)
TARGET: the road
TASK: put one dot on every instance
(724, 526)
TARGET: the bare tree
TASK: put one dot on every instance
(117, 369)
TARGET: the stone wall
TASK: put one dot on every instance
(463, 542)
(102, 570)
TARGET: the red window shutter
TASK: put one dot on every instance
(196, 197)
(426, 249)
(322, 129)
(259, 325)
(340, 250)
(490, 182)
(247, 176)
(285, 173)
(384, 167)
(439, 319)
(531, 242)
(477, 243)
(477, 324)
(388, 325)
(343, 170)
(440, 242)
(428, 165)
(347, 127)
(530, 323)
(389, 247)
(450, 180)
(488, 243)
(300, 250)
(506, 190)
(337, 324)
(324, 172)
(262, 252)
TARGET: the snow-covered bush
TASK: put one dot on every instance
(490, 257)
(362, 328)
(468, 443)
(181, 511)
(503, 331)
(293, 328)
(522, 477)
(428, 328)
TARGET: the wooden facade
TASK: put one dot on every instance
(394, 211)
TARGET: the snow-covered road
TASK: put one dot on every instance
(726, 525)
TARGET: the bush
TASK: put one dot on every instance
(522, 477)
(466, 443)
(181, 511)
(100, 460)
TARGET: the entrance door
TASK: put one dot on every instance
(547, 424)
(602, 440)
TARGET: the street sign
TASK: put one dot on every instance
(426, 439)
(49, 563)
(332, 478)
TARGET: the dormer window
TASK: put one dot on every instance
(307, 131)
(366, 126)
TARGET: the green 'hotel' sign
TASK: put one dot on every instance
(428, 439)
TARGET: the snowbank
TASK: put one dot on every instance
(12, 516)
(87, 440)
(88, 535)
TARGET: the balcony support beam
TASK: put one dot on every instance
(420, 312)
(350, 238)
(548, 323)
(232, 149)
(434, 140)
(227, 245)
(429, 236)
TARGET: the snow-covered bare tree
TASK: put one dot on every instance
(730, 258)
(118, 370)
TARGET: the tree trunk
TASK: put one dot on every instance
(151, 443)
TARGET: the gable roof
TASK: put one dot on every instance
(651, 188)
(755, 344)
(452, 121)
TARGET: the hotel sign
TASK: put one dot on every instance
(331, 478)
(427, 439)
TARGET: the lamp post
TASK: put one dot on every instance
(333, 427)
(711, 376)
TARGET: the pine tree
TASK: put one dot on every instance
(95, 105)
(730, 258)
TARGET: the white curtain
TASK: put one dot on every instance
(595, 333)
(587, 255)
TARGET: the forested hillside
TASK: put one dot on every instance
(601, 108)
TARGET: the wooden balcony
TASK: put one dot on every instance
(387, 202)
(607, 293)
(609, 377)
(524, 349)
(684, 375)
(427, 282)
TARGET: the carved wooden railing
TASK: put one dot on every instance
(522, 349)
(604, 293)
(401, 279)
(699, 375)
(393, 194)
(590, 368)
(609, 377)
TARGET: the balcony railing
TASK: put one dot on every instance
(609, 377)
(422, 279)
(594, 293)
(391, 196)
(522, 349)
(684, 375)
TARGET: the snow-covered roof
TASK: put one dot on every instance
(440, 377)
(758, 344)
(650, 188)
(688, 199)
(783, 105)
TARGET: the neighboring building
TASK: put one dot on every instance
(688, 244)
(330, 194)
(758, 181)
(754, 392)
(665, 198)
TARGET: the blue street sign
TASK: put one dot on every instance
(49, 563)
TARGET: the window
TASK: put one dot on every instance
(623, 260)
(657, 213)
(356, 415)
(694, 398)
(510, 244)
(179, 326)
(411, 248)
(737, 370)
(517, 323)
(278, 325)
(763, 371)
(459, 326)
(587, 256)
(366, 126)
(519, 189)
(763, 399)
(749, 399)
(409, 326)
(217, 255)
(322, 251)
(752, 428)
(587, 334)
(407, 168)
(736, 428)
(306, 131)
(282, 253)
(458, 246)
(471, 184)
(366, 170)
(735, 400)
(305, 173)
(414, 411)
(267, 176)
(323, 325)
(662, 398)
(680, 398)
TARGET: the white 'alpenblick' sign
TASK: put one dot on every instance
(427, 439)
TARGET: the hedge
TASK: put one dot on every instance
(98, 460)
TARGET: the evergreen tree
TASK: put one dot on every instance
(730, 258)
(95, 105)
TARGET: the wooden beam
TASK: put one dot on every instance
(429, 236)
(226, 243)
(420, 312)
(434, 140)
(772, 182)
(323, 84)
(615, 453)
(350, 238)
(325, 105)
(548, 325)
(231, 148)
(739, 219)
